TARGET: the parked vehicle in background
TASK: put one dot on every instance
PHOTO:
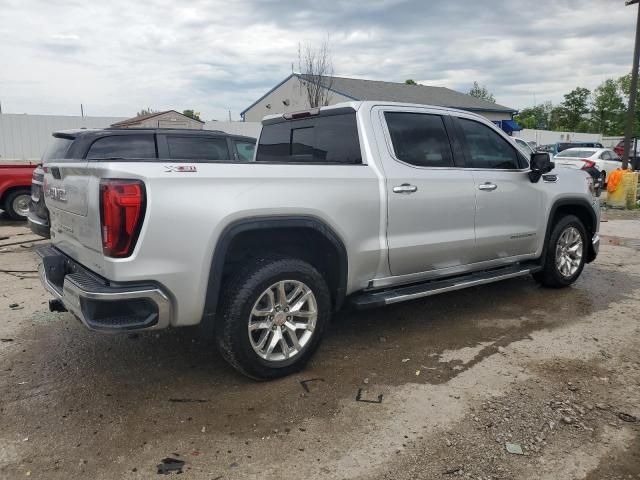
(113, 143)
(38, 217)
(365, 203)
(556, 148)
(634, 155)
(15, 189)
(603, 160)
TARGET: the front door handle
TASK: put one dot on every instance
(405, 188)
(487, 186)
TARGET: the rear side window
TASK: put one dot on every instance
(419, 139)
(331, 139)
(244, 150)
(486, 148)
(202, 149)
(57, 149)
(123, 146)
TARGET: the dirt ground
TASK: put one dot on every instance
(551, 374)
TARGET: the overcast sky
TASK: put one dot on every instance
(118, 56)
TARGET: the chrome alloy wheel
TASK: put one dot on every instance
(569, 251)
(20, 204)
(282, 321)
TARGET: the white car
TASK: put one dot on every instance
(605, 160)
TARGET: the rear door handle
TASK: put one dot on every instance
(487, 186)
(405, 188)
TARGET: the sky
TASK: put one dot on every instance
(119, 56)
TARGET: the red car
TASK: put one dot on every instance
(619, 148)
(15, 189)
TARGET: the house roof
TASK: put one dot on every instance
(359, 89)
(140, 118)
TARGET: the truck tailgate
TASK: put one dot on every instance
(72, 196)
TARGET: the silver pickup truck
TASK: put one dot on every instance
(358, 204)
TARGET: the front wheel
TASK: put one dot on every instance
(16, 204)
(272, 317)
(565, 253)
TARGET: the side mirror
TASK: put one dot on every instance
(539, 164)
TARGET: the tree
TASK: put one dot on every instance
(624, 84)
(537, 117)
(481, 92)
(608, 107)
(191, 114)
(571, 114)
(146, 111)
(316, 68)
(410, 82)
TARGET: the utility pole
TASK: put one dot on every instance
(631, 112)
(81, 110)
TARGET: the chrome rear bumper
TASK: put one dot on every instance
(99, 304)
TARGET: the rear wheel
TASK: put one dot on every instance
(272, 317)
(566, 253)
(603, 178)
(16, 204)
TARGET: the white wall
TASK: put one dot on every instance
(250, 129)
(543, 137)
(291, 92)
(26, 137)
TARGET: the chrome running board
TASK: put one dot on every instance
(434, 287)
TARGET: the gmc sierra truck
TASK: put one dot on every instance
(360, 204)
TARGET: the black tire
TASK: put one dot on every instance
(603, 178)
(550, 275)
(239, 296)
(9, 203)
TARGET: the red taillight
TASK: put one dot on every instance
(122, 204)
(587, 164)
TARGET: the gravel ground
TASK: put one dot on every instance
(552, 375)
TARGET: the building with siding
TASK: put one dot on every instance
(289, 96)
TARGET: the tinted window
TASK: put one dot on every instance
(330, 139)
(245, 150)
(487, 149)
(195, 148)
(57, 149)
(419, 139)
(123, 146)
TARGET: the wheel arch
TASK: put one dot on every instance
(582, 209)
(265, 226)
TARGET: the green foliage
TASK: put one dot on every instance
(410, 82)
(481, 92)
(537, 117)
(191, 114)
(572, 111)
(608, 108)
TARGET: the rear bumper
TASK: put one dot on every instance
(99, 304)
(38, 225)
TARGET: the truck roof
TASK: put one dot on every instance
(355, 106)
(99, 132)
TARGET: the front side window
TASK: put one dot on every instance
(324, 139)
(123, 147)
(419, 139)
(197, 149)
(486, 148)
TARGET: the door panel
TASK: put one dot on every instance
(508, 205)
(508, 218)
(430, 209)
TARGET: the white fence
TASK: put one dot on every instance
(25, 137)
(545, 137)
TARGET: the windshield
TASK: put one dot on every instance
(575, 154)
(57, 149)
